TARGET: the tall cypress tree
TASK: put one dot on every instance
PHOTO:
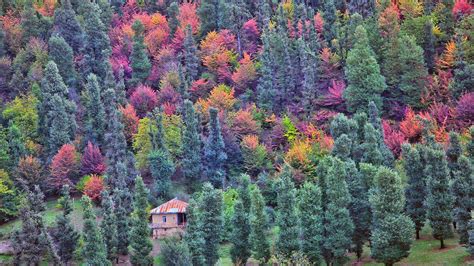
(209, 15)
(192, 143)
(161, 168)
(194, 236)
(16, 147)
(329, 16)
(214, 151)
(310, 221)
(370, 147)
(287, 217)
(173, 21)
(94, 112)
(374, 119)
(439, 202)
(122, 200)
(240, 251)
(463, 191)
(237, 13)
(210, 207)
(140, 62)
(62, 54)
(191, 60)
(429, 46)
(463, 81)
(365, 83)
(68, 27)
(258, 224)
(393, 230)
(266, 82)
(453, 152)
(64, 234)
(94, 250)
(415, 192)
(108, 226)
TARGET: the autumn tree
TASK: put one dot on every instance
(29, 172)
(64, 168)
(92, 161)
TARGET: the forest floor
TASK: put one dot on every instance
(424, 251)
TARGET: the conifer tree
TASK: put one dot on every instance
(240, 251)
(32, 23)
(365, 83)
(67, 26)
(287, 217)
(191, 60)
(94, 112)
(393, 230)
(374, 119)
(439, 201)
(209, 14)
(192, 143)
(429, 46)
(236, 15)
(470, 246)
(370, 147)
(140, 242)
(258, 224)
(214, 151)
(415, 192)
(175, 252)
(62, 54)
(310, 221)
(463, 81)
(194, 236)
(463, 192)
(212, 222)
(2, 41)
(94, 249)
(266, 82)
(97, 43)
(108, 226)
(363, 7)
(173, 21)
(140, 62)
(161, 169)
(65, 236)
(453, 152)
(413, 71)
(329, 16)
(16, 147)
(122, 200)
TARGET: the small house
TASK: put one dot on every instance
(169, 218)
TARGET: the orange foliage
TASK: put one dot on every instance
(250, 142)
(130, 121)
(318, 22)
(188, 16)
(437, 88)
(11, 24)
(243, 123)
(65, 163)
(448, 57)
(245, 74)
(411, 126)
(221, 97)
(389, 21)
(297, 155)
(94, 187)
(45, 7)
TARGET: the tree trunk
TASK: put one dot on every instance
(417, 233)
(442, 243)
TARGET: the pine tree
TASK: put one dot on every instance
(94, 112)
(120, 89)
(236, 15)
(97, 43)
(214, 151)
(393, 230)
(173, 21)
(191, 162)
(463, 192)
(415, 192)
(94, 249)
(337, 225)
(175, 252)
(413, 71)
(161, 169)
(108, 226)
(194, 236)
(240, 251)
(65, 236)
(370, 147)
(287, 217)
(453, 152)
(365, 83)
(122, 200)
(32, 23)
(329, 16)
(363, 7)
(140, 242)
(212, 222)
(429, 46)
(374, 119)
(310, 221)
(463, 81)
(140, 62)
(439, 201)
(266, 83)
(209, 15)
(62, 54)
(191, 60)
(67, 26)
(16, 147)
(258, 224)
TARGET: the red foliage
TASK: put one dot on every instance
(250, 36)
(130, 121)
(411, 126)
(11, 23)
(168, 95)
(389, 21)
(465, 110)
(64, 166)
(245, 76)
(144, 99)
(393, 138)
(94, 187)
(437, 88)
(188, 16)
(201, 88)
(92, 161)
(462, 8)
(244, 123)
(318, 22)
(442, 114)
(334, 95)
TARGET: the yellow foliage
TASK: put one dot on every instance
(221, 97)
(448, 57)
(411, 8)
(297, 155)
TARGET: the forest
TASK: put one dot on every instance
(293, 132)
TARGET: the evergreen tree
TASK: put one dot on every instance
(191, 162)
(140, 242)
(393, 230)
(266, 83)
(64, 234)
(415, 192)
(67, 26)
(94, 112)
(370, 147)
(62, 54)
(365, 8)
(212, 222)
(365, 83)
(463, 193)
(161, 169)
(374, 119)
(194, 235)
(287, 217)
(33, 24)
(329, 16)
(173, 21)
(470, 246)
(237, 14)
(209, 15)
(97, 44)
(413, 71)
(439, 201)
(108, 226)
(453, 152)
(175, 252)
(214, 151)
(337, 225)
(16, 147)
(463, 81)
(94, 249)
(310, 221)
(429, 46)
(258, 225)
(120, 89)
(240, 251)
(140, 62)
(191, 60)
(122, 200)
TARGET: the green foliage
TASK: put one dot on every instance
(175, 252)
(16, 146)
(94, 112)
(370, 147)
(463, 192)
(9, 197)
(240, 251)
(140, 62)
(214, 151)
(191, 60)
(22, 111)
(62, 54)
(290, 130)
(94, 250)
(67, 26)
(194, 235)
(173, 21)
(161, 169)
(258, 225)
(108, 226)
(191, 161)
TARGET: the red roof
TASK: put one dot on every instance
(172, 206)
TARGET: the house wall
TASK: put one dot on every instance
(171, 220)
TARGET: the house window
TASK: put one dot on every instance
(164, 219)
